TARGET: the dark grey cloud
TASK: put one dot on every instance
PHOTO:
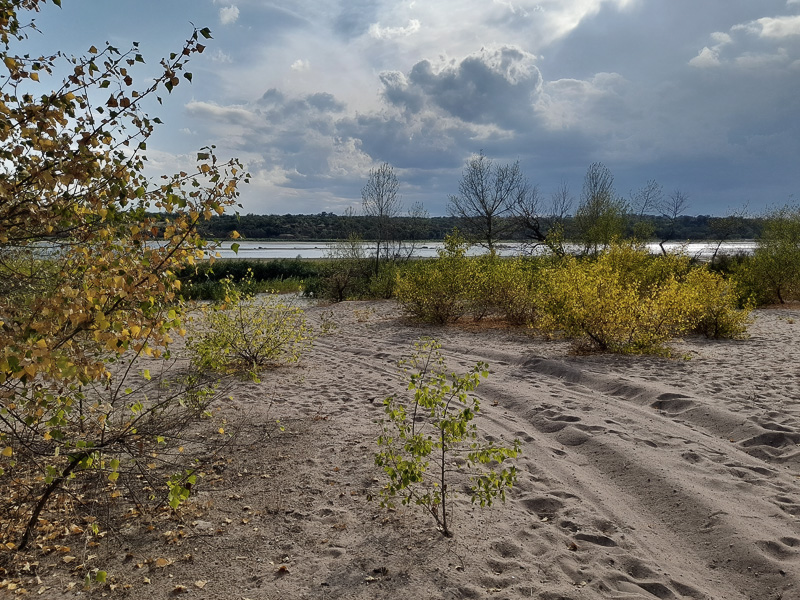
(495, 86)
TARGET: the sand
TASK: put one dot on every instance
(640, 477)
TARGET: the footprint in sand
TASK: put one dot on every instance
(543, 506)
(597, 540)
(506, 549)
(785, 548)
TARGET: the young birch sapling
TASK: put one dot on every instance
(432, 439)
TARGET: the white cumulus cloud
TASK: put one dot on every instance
(228, 15)
(778, 27)
(386, 33)
(301, 64)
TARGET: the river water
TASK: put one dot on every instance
(283, 249)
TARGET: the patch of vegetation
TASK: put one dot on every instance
(246, 332)
(430, 442)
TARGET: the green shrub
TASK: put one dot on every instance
(515, 287)
(631, 302)
(773, 273)
(244, 332)
(430, 440)
(207, 281)
(438, 291)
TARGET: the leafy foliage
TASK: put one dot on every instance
(423, 438)
(773, 274)
(89, 274)
(601, 216)
(630, 302)
(246, 332)
(716, 305)
(438, 291)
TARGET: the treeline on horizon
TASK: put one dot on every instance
(330, 226)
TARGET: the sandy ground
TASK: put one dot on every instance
(640, 478)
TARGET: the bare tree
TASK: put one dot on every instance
(672, 207)
(601, 215)
(648, 199)
(380, 200)
(539, 226)
(488, 193)
(644, 203)
(561, 201)
(413, 229)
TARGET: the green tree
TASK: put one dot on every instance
(424, 439)
(89, 248)
(774, 272)
(601, 215)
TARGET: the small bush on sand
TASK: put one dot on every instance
(245, 332)
(630, 302)
(438, 291)
(428, 441)
(715, 303)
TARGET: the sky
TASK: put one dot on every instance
(702, 97)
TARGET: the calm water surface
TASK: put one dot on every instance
(284, 249)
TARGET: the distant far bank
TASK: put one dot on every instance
(328, 226)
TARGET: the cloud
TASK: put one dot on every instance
(777, 28)
(496, 86)
(386, 33)
(757, 43)
(228, 15)
(707, 57)
(220, 57)
(301, 65)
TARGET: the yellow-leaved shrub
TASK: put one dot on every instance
(603, 308)
(631, 302)
(715, 303)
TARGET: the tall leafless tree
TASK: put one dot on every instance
(543, 226)
(672, 207)
(488, 193)
(381, 201)
(646, 201)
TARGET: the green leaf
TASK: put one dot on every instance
(188, 76)
(235, 248)
(146, 374)
(205, 32)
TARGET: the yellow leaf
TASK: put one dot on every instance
(7, 451)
